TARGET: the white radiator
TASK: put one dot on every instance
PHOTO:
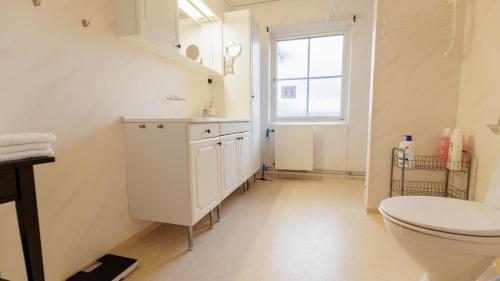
(294, 147)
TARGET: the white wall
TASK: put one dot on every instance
(57, 76)
(415, 87)
(479, 100)
(337, 147)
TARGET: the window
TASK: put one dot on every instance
(310, 77)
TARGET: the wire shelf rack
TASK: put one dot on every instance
(429, 175)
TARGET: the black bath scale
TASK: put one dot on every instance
(107, 268)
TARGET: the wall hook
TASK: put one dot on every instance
(85, 22)
(37, 2)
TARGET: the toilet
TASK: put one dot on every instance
(453, 240)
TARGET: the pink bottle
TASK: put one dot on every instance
(445, 145)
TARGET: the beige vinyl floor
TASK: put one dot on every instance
(283, 230)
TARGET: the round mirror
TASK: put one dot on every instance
(233, 49)
(192, 52)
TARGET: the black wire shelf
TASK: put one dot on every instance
(437, 177)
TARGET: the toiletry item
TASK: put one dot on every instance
(406, 155)
(205, 113)
(455, 151)
(445, 146)
(211, 109)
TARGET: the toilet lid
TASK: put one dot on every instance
(444, 214)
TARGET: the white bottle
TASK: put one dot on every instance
(455, 151)
(409, 152)
(211, 109)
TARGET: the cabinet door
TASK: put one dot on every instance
(205, 176)
(255, 105)
(245, 148)
(159, 20)
(230, 164)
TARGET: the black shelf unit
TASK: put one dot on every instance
(430, 176)
(17, 183)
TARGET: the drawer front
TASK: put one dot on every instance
(203, 131)
(233, 128)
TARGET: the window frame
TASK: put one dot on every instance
(344, 30)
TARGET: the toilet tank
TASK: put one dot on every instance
(493, 197)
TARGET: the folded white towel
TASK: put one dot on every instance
(26, 155)
(24, 147)
(26, 138)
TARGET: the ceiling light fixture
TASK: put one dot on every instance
(197, 10)
(204, 9)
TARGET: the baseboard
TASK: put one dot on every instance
(316, 174)
(372, 211)
(136, 237)
(125, 244)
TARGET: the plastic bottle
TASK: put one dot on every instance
(445, 147)
(211, 109)
(455, 151)
(408, 147)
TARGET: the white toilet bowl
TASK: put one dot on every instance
(453, 240)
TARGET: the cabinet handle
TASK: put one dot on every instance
(207, 131)
(178, 46)
(160, 126)
(142, 126)
(219, 143)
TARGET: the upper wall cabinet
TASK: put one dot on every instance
(149, 23)
(195, 39)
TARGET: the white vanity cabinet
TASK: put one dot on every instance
(179, 169)
(153, 24)
(236, 161)
(230, 160)
(245, 146)
(204, 161)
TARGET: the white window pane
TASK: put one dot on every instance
(291, 98)
(292, 58)
(325, 97)
(326, 56)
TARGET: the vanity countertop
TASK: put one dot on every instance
(160, 119)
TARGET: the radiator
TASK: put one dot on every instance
(294, 147)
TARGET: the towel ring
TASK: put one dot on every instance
(37, 2)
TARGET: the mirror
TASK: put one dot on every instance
(200, 36)
(233, 49)
(193, 52)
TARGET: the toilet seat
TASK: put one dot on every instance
(444, 217)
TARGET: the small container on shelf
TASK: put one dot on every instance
(427, 175)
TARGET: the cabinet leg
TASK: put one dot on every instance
(217, 209)
(244, 187)
(190, 237)
(211, 219)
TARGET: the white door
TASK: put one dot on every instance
(159, 20)
(245, 148)
(230, 164)
(205, 176)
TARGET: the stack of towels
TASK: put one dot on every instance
(26, 145)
